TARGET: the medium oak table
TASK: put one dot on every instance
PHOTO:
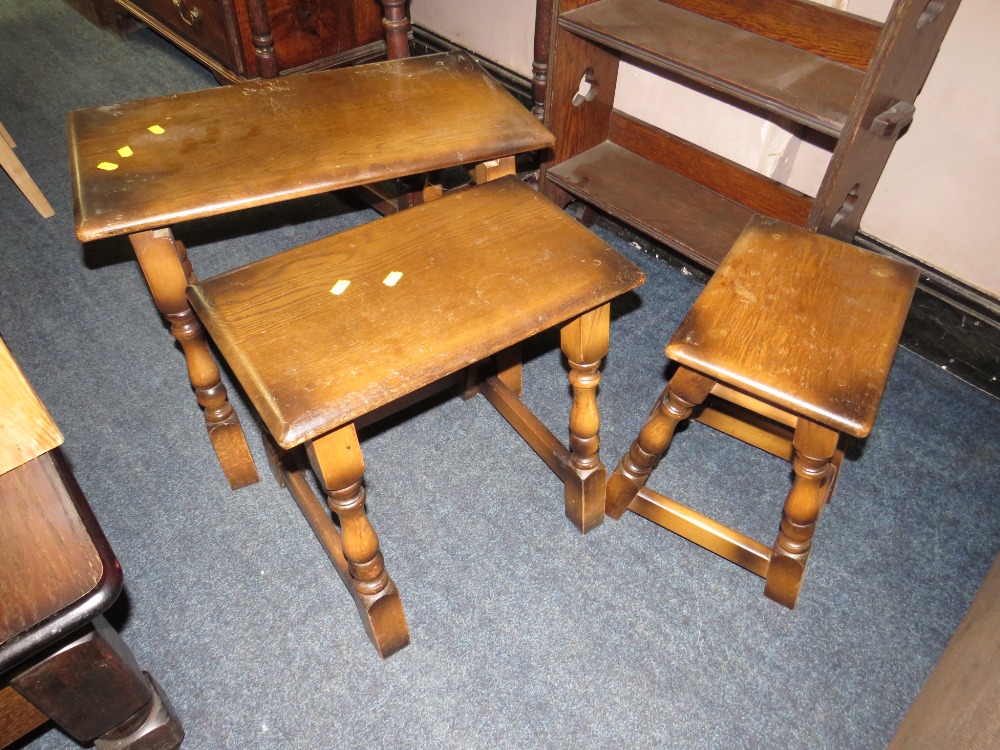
(139, 168)
(342, 331)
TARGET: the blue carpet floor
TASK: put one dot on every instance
(525, 634)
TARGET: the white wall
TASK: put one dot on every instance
(938, 197)
(501, 30)
(933, 200)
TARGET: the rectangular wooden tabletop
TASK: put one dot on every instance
(325, 333)
(152, 163)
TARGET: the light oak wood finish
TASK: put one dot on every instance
(585, 343)
(17, 716)
(26, 429)
(262, 142)
(13, 167)
(801, 331)
(466, 261)
(847, 78)
(336, 459)
(482, 270)
(167, 272)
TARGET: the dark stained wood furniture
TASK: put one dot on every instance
(101, 13)
(787, 348)
(241, 40)
(59, 658)
(849, 79)
(210, 152)
(337, 333)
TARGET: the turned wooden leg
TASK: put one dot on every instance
(540, 64)
(685, 390)
(336, 459)
(397, 29)
(815, 447)
(93, 689)
(265, 58)
(585, 343)
(168, 272)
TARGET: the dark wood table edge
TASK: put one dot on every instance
(54, 628)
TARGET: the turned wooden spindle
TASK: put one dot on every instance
(489, 266)
(585, 342)
(686, 390)
(540, 63)
(263, 40)
(814, 447)
(397, 29)
(336, 459)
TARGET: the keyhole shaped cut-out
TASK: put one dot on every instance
(930, 13)
(847, 206)
(588, 88)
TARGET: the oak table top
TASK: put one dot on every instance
(153, 163)
(767, 338)
(503, 265)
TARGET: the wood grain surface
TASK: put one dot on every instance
(261, 142)
(481, 270)
(808, 26)
(47, 558)
(819, 342)
(807, 88)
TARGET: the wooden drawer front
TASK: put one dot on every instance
(306, 31)
(209, 25)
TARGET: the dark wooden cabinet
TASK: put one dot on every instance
(245, 39)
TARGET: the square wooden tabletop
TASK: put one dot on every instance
(800, 320)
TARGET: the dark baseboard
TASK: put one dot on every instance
(426, 42)
(950, 324)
